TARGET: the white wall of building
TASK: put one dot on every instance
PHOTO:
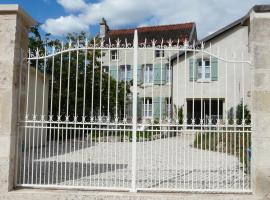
(233, 42)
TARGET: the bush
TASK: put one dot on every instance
(233, 143)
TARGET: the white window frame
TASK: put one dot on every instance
(114, 55)
(148, 74)
(203, 70)
(168, 74)
(147, 108)
(123, 72)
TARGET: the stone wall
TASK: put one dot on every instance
(14, 25)
(260, 51)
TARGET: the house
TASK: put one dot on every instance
(154, 69)
(205, 83)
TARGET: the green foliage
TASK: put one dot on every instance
(179, 114)
(233, 143)
(65, 69)
(240, 110)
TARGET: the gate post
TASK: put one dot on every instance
(134, 111)
(14, 24)
(260, 51)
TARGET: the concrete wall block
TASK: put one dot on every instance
(260, 155)
(262, 177)
(262, 28)
(261, 80)
(4, 171)
(5, 107)
(261, 101)
(261, 126)
(13, 37)
(261, 57)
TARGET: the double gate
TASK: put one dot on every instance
(150, 116)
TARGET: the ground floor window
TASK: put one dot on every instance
(205, 109)
(147, 107)
(168, 107)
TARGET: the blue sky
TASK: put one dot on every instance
(62, 16)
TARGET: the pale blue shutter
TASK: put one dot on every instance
(192, 70)
(159, 74)
(214, 69)
(113, 71)
(139, 107)
(163, 107)
(156, 107)
(159, 102)
(139, 75)
(129, 73)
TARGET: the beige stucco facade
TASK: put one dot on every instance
(233, 80)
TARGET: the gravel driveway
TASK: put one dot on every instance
(166, 163)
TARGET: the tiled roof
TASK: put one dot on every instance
(165, 32)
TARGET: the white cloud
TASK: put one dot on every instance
(63, 25)
(72, 5)
(209, 14)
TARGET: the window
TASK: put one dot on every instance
(147, 107)
(168, 73)
(114, 55)
(125, 71)
(148, 73)
(203, 70)
(168, 106)
(159, 53)
(105, 69)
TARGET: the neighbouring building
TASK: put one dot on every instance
(154, 69)
(207, 84)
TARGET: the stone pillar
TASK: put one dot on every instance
(14, 24)
(260, 51)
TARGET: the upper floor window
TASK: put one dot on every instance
(148, 73)
(125, 73)
(159, 53)
(114, 55)
(203, 70)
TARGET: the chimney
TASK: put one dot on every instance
(103, 28)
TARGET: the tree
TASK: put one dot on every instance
(75, 76)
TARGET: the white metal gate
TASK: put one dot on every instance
(116, 116)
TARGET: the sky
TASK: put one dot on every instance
(59, 17)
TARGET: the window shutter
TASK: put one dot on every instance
(159, 74)
(129, 74)
(214, 69)
(156, 107)
(159, 102)
(139, 107)
(113, 71)
(139, 74)
(192, 70)
(163, 107)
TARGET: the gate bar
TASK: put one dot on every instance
(134, 111)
